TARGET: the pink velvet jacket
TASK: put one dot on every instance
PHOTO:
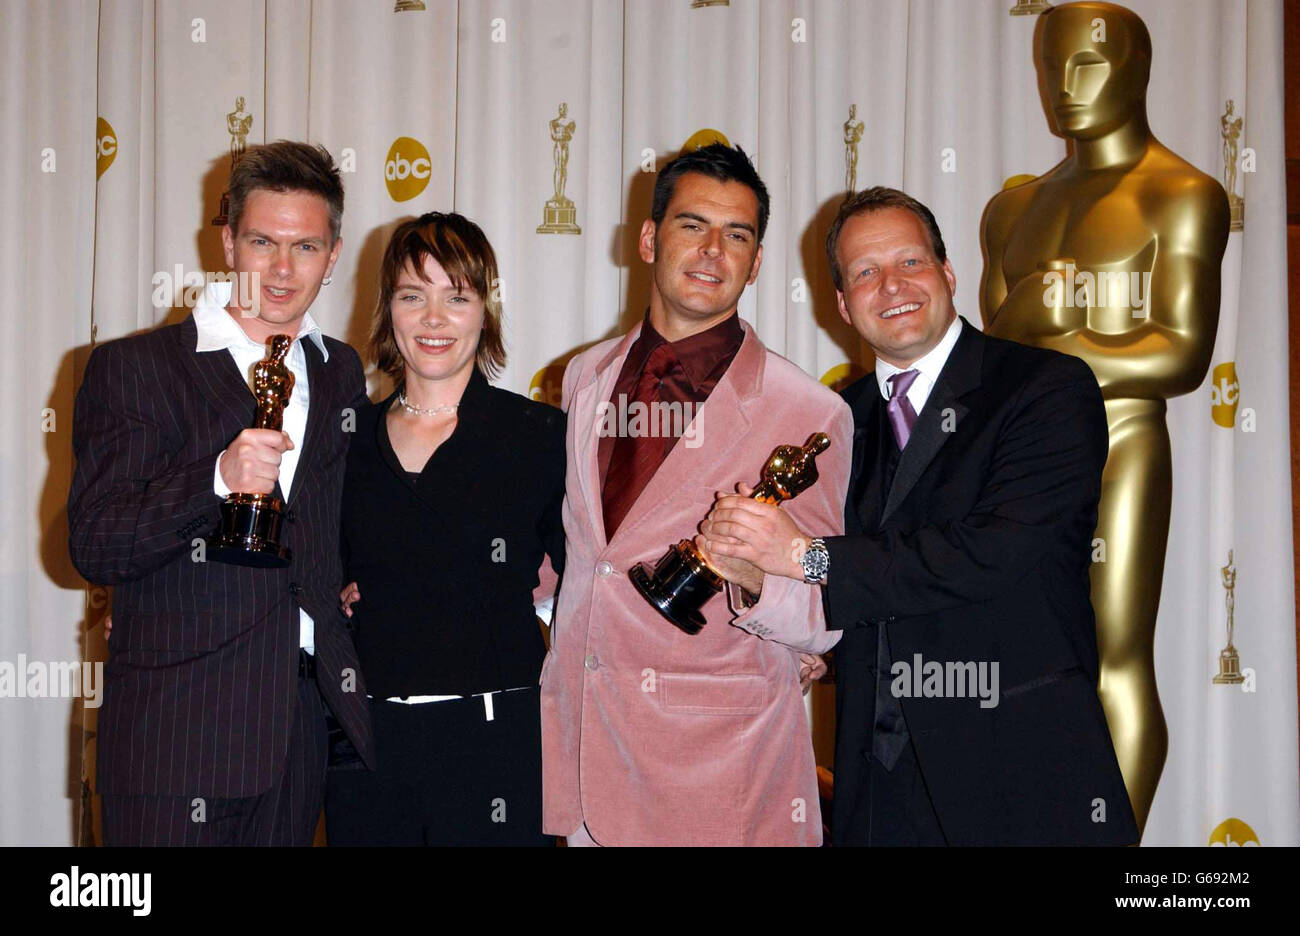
(650, 735)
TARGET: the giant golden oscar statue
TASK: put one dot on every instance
(1113, 256)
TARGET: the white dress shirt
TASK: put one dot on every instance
(929, 366)
(218, 331)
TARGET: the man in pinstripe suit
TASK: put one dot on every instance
(220, 678)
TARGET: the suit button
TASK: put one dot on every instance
(591, 662)
(291, 516)
(295, 588)
(604, 569)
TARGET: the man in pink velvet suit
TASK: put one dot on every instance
(650, 735)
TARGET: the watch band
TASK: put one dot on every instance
(815, 562)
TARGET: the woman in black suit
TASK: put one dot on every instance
(451, 505)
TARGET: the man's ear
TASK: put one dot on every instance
(843, 307)
(334, 256)
(753, 270)
(228, 243)
(952, 277)
(646, 243)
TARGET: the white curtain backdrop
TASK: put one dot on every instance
(442, 105)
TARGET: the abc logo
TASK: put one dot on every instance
(1225, 391)
(705, 137)
(406, 171)
(105, 146)
(547, 385)
(1233, 833)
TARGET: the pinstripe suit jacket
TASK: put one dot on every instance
(203, 658)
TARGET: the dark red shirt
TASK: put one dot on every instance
(702, 359)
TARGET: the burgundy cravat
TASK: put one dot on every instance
(901, 415)
(636, 458)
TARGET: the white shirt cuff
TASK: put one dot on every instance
(218, 485)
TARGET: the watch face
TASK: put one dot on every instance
(815, 562)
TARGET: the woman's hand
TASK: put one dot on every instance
(811, 668)
(348, 597)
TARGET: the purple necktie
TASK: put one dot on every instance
(901, 415)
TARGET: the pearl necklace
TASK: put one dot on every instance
(441, 409)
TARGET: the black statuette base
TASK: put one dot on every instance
(680, 584)
(250, 533)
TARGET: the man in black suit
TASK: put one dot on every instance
(967, 710)
(214, 724)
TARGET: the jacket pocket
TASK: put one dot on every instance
(1042, 682)
(707, 694)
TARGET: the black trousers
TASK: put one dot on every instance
(286, 814)
(447, 776)
(893, 808)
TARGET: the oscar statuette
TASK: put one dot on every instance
(682, 581)
(250, 523)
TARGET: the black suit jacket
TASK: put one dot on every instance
(980, 552)
(200, 684)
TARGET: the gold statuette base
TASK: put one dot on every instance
(559, 217)
(1229, 668)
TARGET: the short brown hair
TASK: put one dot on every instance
(288, 166)
(460, 247)
(717, 161)
(874, 199)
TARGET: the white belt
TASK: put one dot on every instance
(422, 699)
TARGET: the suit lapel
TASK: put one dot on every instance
(863, 499)
(720, 423)
(928, 437)
(318, 411)
(218, 379)
(227, 392)
(942, 413)
(586, 429)
(220, 383)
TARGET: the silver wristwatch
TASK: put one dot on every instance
(815, 561)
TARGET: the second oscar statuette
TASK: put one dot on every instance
(682, 581)
(250, 523)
